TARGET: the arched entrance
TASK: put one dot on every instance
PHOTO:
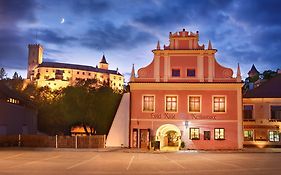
(169, 136)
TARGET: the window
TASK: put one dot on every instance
(194, 104)
(274, 136)
(248, 135)
(207, 135)
(83, 73)
(176, 73)
(219, 134)
(190, 73)
(148, 103)
(219, 104)
(77, 72)
(248, 112)
(275, 112)
(12, 100)
(89, 74)
(194, 134)
(171, 103)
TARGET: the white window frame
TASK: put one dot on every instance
(213, 102)
(143, 102)
(215, 134)
(273, 136)
(166, 104)
(200, 96)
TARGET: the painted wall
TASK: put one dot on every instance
(16, 119)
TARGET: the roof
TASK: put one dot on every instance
(6, 92)
(253, 70)
(78, 67)
(103, 60)
(268, 89)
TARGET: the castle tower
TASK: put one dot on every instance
(103, 64)
(35, 57)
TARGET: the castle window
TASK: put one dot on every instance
(191, 72)
(120, 78)
(89, 74)
(77, 72)
(114, 77)
(176, 72)
(47, 70)
(83, 73)
(69, 72)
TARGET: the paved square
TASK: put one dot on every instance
(52, 162)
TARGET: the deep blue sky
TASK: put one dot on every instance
(244, 31)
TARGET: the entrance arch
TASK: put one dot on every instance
(169, 136)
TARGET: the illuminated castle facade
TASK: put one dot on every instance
(59, 75)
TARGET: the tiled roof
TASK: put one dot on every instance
(77, 67)
(268, 89)
(253, 70)
(103, 60)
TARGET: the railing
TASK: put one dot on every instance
(95, 141)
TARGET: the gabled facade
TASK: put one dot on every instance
(59, 75)
(185, 95)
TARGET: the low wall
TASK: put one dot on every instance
(95, 141)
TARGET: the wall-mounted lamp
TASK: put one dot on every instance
(186, 123)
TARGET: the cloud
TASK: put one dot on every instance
(14, 11)
(54, 36)
(107, 36)
(90, 6)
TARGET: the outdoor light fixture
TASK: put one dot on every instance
(186, 124)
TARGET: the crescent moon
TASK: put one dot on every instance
(62, 20)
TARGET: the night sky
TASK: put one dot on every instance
(244, 31)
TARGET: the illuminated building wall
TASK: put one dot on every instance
(262, 114)
(184, 94)
(57, 75)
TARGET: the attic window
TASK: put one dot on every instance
(191, 72)
(176, 72)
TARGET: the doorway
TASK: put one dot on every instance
(169, 136)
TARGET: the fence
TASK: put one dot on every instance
(95, 141)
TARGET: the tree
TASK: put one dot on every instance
(3, 74)
(268, 74)
(15, 76)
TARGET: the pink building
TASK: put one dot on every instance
(185, 95)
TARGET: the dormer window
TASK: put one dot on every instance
(190, 73)
(176, 72)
